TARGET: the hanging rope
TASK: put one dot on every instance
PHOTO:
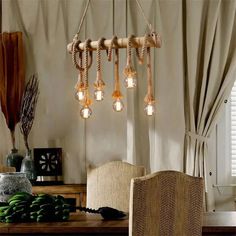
(117, 93)
(87, 42)
(149, 98)
(80, 83)
(129, 71)
(145, 18)
(99, 83)
(100, 42)
(76, 37)
(140, 56)
(113, 42)
(75, 50)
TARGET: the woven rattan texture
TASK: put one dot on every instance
(166, 203)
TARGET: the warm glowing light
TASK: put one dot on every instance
(80, 95)
(118, 105)
(149, 109)
(98, 95)
(130, 82)
(85, 112)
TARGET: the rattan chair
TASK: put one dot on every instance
(4, 169)
(166, 203)
(109, 184)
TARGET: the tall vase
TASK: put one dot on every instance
(27, 167)
(14, 159)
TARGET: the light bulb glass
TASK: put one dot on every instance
(85, 112)
(80, 95)
(149, 109)
(118, 105)
(98, 95)
(130, 82)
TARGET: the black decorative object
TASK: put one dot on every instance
(108, 213)
(48, 165)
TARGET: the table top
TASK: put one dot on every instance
(214, 222)
(220, 222)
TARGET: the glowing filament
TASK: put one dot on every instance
(99, 94)
(150, 109)
(80, 95)
(130, 82)
(85, 112)
(118, 105)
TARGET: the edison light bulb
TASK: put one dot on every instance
(98, 94)
(85, 112)
(130, 82)
(118, 105)
(80, 95)
(149, 109)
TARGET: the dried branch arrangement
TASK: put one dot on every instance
(12, 78)
(28, 106)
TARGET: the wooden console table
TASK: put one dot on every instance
(218, 223)
(76, 191)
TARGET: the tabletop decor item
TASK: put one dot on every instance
(25, 207)
(12, 82)
(82, 58)
(14, 159)
(11, 183)
(48, 165)
(27, 113)
(108, 213)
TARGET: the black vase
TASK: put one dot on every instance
(14, 159)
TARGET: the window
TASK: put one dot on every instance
(233, 130)
(226, 142)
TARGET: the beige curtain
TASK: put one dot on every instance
(210, 67)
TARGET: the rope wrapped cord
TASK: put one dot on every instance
(75, 50)
(140, 56)
(109, 51)
(99, 83)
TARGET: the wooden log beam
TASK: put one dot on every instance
(121, 43)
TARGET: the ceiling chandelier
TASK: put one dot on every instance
(82, 58)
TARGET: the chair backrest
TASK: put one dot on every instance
(4, 169)
(109, 184)
(166, 203)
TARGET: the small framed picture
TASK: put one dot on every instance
(48, 161)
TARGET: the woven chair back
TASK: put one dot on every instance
(109, 184)
(166, 203)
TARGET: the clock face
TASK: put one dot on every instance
(48, 161)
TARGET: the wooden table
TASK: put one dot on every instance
(220, 223)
